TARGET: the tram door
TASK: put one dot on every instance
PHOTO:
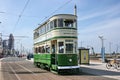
(53, 50)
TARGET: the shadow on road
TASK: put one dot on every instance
(25, 72)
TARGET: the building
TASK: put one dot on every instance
(5, 47)
(11, 44)
(1, 48)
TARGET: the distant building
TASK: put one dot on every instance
(5, 43)
(1, 48)
(11, 44)
(5, 47)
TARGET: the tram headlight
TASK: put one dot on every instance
(70, 60)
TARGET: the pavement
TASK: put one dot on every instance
(99, 68)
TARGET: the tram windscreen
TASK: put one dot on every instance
(61, 47)
(69, 48)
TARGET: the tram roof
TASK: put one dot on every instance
(63, 15)
(57, 15)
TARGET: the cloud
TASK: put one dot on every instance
(112, 10)
(103, 25)
(108, 28)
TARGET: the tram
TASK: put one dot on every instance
(55, 44)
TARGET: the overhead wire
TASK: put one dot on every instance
(56, 10)
(19, 17)
(21, 14)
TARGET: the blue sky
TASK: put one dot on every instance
(95, 18)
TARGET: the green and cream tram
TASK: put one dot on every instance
(55, 44)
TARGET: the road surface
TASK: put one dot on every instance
(13, 68)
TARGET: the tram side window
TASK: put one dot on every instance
(36, 34)
(48, 27)
(43, 49)
(39, 50)
(69, 48)
(43, 29)
(47, 49)
(61, 47)
(35, 50)
(60, 22)
(55, 23)
(68, 23)
(51, 25)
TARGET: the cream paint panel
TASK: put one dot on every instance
(56, 33)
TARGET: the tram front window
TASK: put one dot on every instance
(69, 48)
(61, 47)
(68, 23)
(60, 22)
(55, 23)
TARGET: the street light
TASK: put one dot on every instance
(102, 48)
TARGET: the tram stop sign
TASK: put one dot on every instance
(83, 56)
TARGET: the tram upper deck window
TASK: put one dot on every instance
(48, 27)
(60, 22)
(41, 31)
(36, 34)
(68, 23)
(51, 25)
(55, 23)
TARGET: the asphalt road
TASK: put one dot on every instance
(13, 68)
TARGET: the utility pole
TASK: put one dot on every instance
(102, 48)
(110, 48)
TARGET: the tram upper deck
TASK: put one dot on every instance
(60, 21)
(60, 25)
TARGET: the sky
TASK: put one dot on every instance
(95, 18)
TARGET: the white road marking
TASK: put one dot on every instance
(14, 72)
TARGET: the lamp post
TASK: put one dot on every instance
(102, 48)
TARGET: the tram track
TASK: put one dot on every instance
(22, 69)
(18, 78)
(47, 75)
(21, 72)
(8, 72)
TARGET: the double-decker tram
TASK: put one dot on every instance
(55, 44)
